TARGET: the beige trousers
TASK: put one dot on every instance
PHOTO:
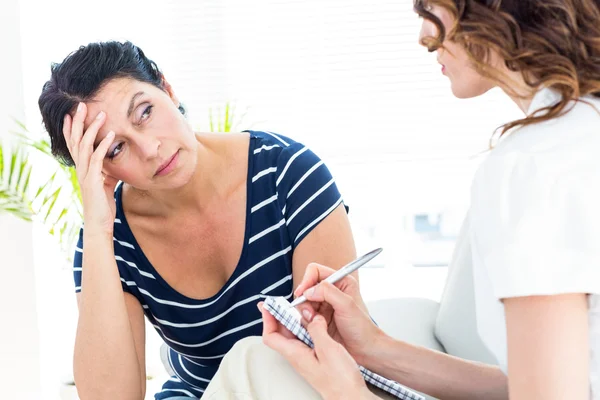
(252, 371)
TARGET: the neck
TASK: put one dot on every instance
(518, 91)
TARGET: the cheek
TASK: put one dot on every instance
(124, 170)
(171, 124)
(454, 56)
(467, 84)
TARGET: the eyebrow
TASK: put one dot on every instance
(132, 103)
(129, 111)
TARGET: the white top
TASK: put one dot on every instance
(535, 221)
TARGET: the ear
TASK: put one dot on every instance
(169, 90)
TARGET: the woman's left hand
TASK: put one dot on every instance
(328, 367)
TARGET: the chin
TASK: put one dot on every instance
(469, 91)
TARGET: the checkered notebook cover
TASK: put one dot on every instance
(290, 318)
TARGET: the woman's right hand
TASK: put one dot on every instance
(97, 188)
(343, 308)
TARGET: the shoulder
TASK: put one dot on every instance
(282, 155)
(265, 141)
(561, 149)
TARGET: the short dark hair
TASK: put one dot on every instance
(81, 75)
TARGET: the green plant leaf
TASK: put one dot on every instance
(33, 193)
(22, 167)
(60, 217)
(75, 184)
(226, 122)
(54, 197)
(15, 203)
(41, 190)
(20, 124)
(1, 162)
(210, 120)
(25, 188)
(11, 171)
(46, 187)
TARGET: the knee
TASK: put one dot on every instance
(252, 350)
(246, 349)
(246, 345)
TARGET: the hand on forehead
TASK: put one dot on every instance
(113, 99)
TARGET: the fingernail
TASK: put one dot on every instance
(259, 306)
(307, 315)
(100, 115)
(79, 107)
(309, 292)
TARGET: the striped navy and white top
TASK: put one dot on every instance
(289, 191)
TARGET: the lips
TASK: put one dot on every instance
(166, 164)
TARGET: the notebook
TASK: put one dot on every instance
(290, 318)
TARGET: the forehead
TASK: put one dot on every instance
(116, 88)
(114, 97)
(444, 15)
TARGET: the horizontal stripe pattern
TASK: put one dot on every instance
(290, 191)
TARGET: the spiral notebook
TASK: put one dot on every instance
(290, 318)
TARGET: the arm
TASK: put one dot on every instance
(315, 215)
(109, 358)
(329, 243)
(440, 375)
(548, 347)
(428, 371)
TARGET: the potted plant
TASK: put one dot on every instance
(43, 191)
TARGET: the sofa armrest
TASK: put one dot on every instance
(408, 319)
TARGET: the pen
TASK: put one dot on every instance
(342, 272)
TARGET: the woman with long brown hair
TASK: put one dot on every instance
(531, 237)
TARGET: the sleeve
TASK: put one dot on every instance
(78, 262)
(78, 266)
(536, 225)
(306, 191)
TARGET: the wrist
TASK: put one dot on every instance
(96, 233)
(385, 353)
(353, 392)
(366, 394)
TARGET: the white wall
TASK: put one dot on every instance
(19, 335)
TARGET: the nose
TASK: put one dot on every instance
(149, 146)
(428, 29)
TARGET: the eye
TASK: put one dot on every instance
(147, 111)
(114, 150)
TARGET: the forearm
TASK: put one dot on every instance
(436, 374)
(105, 360)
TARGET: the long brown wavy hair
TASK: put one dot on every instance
(553, 43)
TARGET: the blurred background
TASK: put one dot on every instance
(345, 77)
